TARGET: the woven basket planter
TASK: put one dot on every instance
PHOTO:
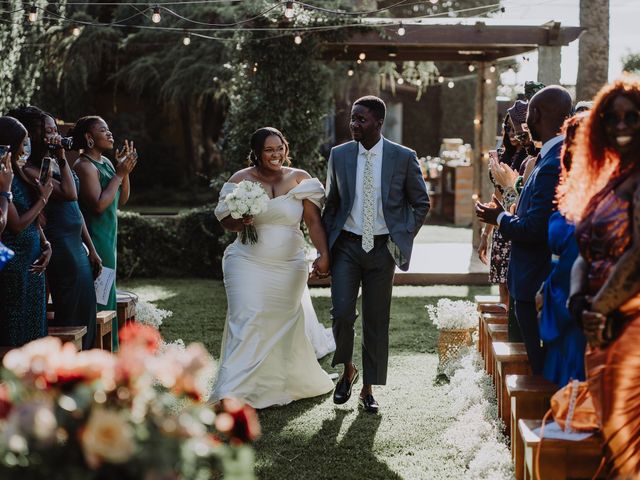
(450, 343)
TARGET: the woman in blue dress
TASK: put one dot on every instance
(560, 333)
(22, 309)
(72, 267)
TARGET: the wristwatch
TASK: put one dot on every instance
(7, 195)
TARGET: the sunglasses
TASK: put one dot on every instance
(630, 118)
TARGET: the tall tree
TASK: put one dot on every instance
(593, 65)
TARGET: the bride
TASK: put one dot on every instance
(267, 358)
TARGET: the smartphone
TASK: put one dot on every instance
(4, 149)
(45, 170)
(493, 155)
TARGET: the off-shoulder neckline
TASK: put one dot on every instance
(289, 192)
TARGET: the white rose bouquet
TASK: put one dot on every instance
(248, 198)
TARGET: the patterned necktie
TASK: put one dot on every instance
(368, 204)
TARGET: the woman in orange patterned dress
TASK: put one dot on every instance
(602, 194)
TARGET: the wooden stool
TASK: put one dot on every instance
(485, 319)
(529, 397)
(103, 329)
(69, 334)
(559, 459)
(509, 359)
(126, 308)
(495, 332)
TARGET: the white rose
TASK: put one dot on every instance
(107, 437)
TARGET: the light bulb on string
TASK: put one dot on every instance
(33, 13)
(471, 67)
(288, 11)
(350, 72)
(297, 39)
(187, 39)
(401, 30)
(434, 1)
(488, 81)
(76, 31)
(451, 84)
(440, 79)
(400, 81)
(362, 56)
(492, 68)
(155, 18)
(476, 121)
(359, 62)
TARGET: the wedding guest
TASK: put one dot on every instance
(6, 177)
(22, 309)
(103, 188)
(605, 286)
(583, 106)
(511, 153)
(561, 334)
(70, 271)
(267, 358)
(530, 261)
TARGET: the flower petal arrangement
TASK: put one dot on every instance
(247, 199)
(136, 414)
(453, 314)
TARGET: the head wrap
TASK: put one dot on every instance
(584, 105)
(531, 88)
(518, 112)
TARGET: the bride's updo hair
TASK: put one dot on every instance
(257, 145)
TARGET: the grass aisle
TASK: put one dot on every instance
(316, 439)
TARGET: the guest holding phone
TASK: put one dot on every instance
(103, 188)
(71, 270)
(22, 309)
(6, 177)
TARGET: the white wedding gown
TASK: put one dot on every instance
(266, 357)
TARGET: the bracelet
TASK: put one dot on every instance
(43, 200)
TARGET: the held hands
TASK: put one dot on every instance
(126, 159)
(6, 172)
(320, 268)
(40, 265)
(502, 173)
(489, 212)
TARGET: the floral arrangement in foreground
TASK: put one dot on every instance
(134, 415)
(453, 314)
(476, 433)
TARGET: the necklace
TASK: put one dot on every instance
(84, 154)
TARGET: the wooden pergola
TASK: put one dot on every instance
(481, 41)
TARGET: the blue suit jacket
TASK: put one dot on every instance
(530, 261)
(405, 202)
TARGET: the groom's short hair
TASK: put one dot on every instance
(373, 103)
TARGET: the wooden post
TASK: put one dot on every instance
(549, 65)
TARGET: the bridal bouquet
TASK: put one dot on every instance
(91, 415)
(247, 198)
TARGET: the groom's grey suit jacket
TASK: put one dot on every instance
(405, 202)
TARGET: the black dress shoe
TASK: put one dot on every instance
(369, 403)
(342, 392)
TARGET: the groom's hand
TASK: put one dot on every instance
(489, 212)
(321, 267)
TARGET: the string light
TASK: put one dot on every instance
(155, 18)
(187, 39)
(476, 121)
(297, 39)
(434, 1)
(440, 79)
(33, 13)
(471, 67)
(362, 56)
(400, 81)
(76, 31)
(451, 84)
(492, 68)
(401, 30)
(359, 62)
(288, 11)
(350, 72)
(511, 71)
(488, 81)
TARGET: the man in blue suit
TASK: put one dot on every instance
(376, 203)
(530, 261)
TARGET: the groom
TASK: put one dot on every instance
(376, 203)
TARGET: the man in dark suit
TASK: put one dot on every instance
(376, 203)
(530, 261)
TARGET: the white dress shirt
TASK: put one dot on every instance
(354, 220)
(546, 147)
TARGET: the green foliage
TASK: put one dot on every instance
(631, 63)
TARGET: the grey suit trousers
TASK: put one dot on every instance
(351, 266)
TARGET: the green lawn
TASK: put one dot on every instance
(316, 439)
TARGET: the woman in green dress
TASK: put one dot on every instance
(103, 188)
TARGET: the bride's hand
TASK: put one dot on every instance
(247, 220)
(321, 267)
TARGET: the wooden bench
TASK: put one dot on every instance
(486, 319)
(559, 459)
(509, 359)
(69, 334)
(126, 308)
(529, 396)
(486, 299)
(104, 321)
(495, 332)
